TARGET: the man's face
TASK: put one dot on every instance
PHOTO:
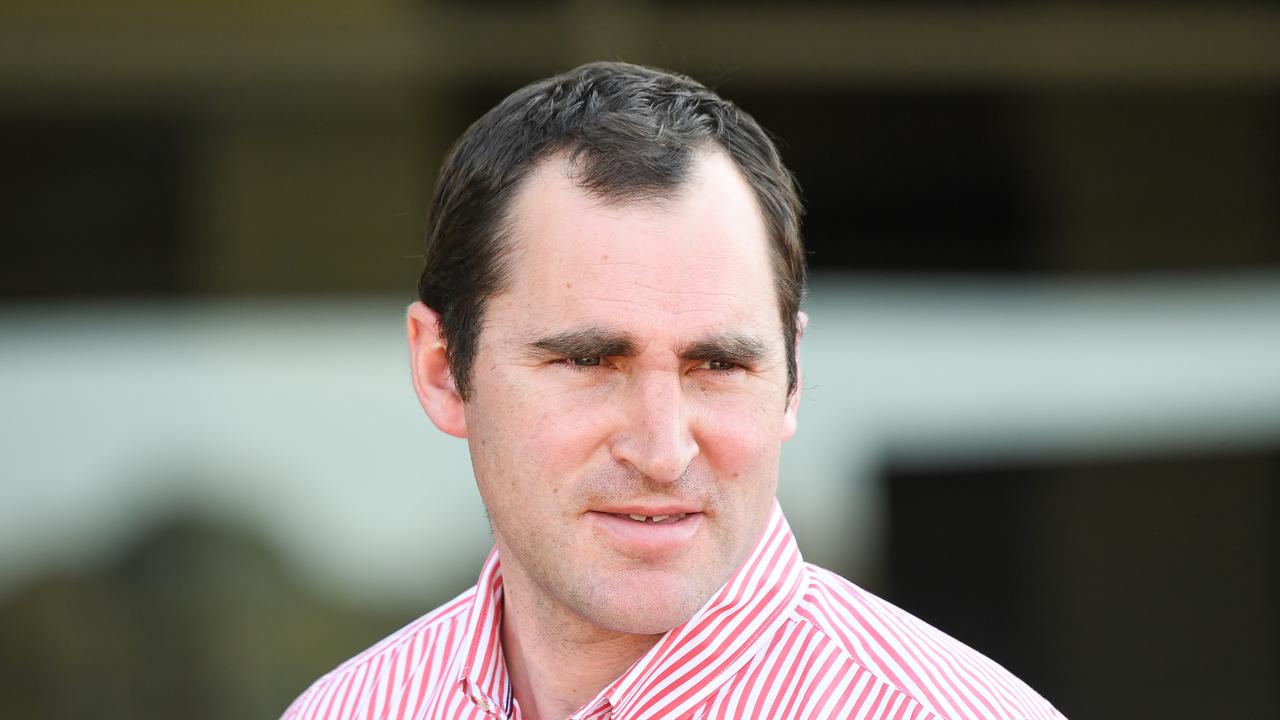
(635, 366)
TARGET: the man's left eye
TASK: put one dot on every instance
(585, 361)
(720, 365)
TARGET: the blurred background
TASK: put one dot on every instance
(1042, 377)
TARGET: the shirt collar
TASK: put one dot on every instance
(690, 661)
(482, 677)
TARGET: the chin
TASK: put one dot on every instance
(646, 623)
(647, 611)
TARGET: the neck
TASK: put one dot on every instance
(559, 663)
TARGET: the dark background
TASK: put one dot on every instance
(163, 153)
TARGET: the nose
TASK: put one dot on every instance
(655, 431)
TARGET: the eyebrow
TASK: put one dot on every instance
(586, 342)
(734, 347)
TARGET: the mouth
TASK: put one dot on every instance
(652, 519)
(640, 535)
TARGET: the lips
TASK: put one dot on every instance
(653, 519)
(649, 510)
(647, 533)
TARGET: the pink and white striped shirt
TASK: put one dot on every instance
(781, 639)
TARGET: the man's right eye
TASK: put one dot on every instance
(585, 361)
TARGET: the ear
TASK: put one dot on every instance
(432, 378)
(793, 402)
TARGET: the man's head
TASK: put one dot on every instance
(631, 133)
(629, 347)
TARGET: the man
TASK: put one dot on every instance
(610, 315)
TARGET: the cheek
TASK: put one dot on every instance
(738, 436)
(531, 440)
(558, 424)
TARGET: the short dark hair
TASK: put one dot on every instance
(631, 133)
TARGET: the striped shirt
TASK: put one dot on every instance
(781, 639)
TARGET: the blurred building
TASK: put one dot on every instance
(1042, 403)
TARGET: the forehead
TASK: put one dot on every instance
(699, 254)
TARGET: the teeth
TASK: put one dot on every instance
(657, 518)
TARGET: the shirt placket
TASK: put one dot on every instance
(486, 704)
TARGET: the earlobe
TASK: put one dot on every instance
(429, 366)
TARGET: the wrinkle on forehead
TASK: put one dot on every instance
(680, 291)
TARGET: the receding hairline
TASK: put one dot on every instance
(664, 198)
(575, 164)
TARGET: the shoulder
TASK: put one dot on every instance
(913, 659)
(414, 656)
